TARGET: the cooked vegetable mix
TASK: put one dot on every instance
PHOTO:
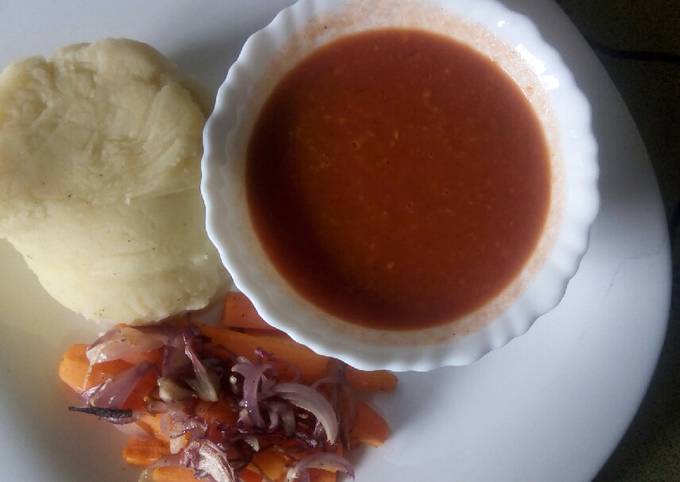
(236, 402)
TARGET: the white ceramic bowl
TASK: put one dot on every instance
(510, 40)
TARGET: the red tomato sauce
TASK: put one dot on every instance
(398, 179)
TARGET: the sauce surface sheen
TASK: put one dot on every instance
(398, 179)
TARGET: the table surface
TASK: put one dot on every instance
(650, 450)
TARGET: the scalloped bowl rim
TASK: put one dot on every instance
(541, 293)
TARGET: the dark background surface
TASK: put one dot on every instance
(650, 450)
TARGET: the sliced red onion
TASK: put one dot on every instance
(174, 409)
(336, 368)
(253, 441)
(306, 439)
(193, 426)
(284, 412)
(155, 407)
(334, 383)
(168, 421)
(311, 400)
(115, 392)
(348, 415)
(178, 423)
(318, 430)
(263, 355)
(146, 475)
(342, 399)
(346, 428)
(211, 314)
(177, 444)
(213, 462)
(169, 461)
(202, 390)
(175, 360)
(321, 460)
(284, 366)
(217, 366)
(123, 342)
(205, 387)
(189, 456)
(107, 335)
(331, 380)
(170, 391)
(252, 375)
(86, 395)
(182, 429)
(244, 419)
(267, 387)
(167, 327)
(132, 430)
(273, 419)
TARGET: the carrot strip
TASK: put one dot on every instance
(272, 463)
(104, 371)
(74, 366)
(173, 474)
(248, 475)
(318, 475)
(381, 380)
(217, 412)
(136, 399)
(369, 427)
(151, 424)
(153, 356)
(144, 451)
(311, 366)
(273, 333)
(182, 474)
(239, 312)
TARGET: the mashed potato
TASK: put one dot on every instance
(100, 149)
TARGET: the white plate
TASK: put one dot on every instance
(550, 406)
